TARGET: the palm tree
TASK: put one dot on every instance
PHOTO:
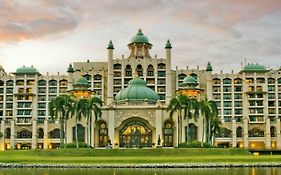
(59, 108)
(215, 128)
(208, 109)
(183, 105)
(79, 111)
(93, 106)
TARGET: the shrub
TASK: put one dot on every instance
(73, 145)
(195, 144)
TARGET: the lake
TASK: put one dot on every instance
(195, 171)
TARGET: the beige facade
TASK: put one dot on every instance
(249, 103)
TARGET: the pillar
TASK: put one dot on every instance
(267, 134)
(278, 137)
(168, 72)
(111, 126)
(12, 139)
(45, 142)
(245, 133)
(34, 134)
(234, 142)
(110, 49)
(159, 126)
(92, 132)
(2, 130)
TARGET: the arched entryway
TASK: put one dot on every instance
(168, 134)
(135, 133)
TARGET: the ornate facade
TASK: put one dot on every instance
(135, 91)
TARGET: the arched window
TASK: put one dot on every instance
(10, 83)
(117, 66)
(168, 134)
(279, 80)
(103, 135)
(1, 83)
(194, 75)
(53, 83)
(8, 133)
(42, 83)
(150, 70)
(40, 133)
(238, 81)
(80, 133)
(54, 134)
(272, 131)
(224, 133)
(128, 71)
(24, 134)
(63, 82)
(88, 77)
(161, 66)
(271, 81)
(19, 82)
(181, 76)
(239, 132)
(216, 81)
(226, 81)
(139, 70)
(255, 132)
(260, 80)
(97, 77)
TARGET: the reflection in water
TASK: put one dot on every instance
(196, 171)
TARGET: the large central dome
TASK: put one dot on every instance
(140, 38)
(137, 91)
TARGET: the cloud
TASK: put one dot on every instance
(21, 20)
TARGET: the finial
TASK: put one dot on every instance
(110, 45)
(168, 45)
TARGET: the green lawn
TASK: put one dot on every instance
(134, 156)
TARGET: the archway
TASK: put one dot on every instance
(135, 134)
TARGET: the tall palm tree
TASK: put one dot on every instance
(59, 108)
(93, 107)
(208, 109)
(186, 109)
(215, 128)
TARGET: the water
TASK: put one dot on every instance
(197, 171)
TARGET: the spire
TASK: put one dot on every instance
(168, 45)
(209, 67)
(110, 45)
(70, 68)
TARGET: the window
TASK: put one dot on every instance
(52, 83)
(216, 81)
(237, 81)
(24, 134)
(54, 134)
(98, 77)
(255, 132)
(150, 70)
(128, 71)
(40, 133)
(161, 66)
(181, 76)
(260, 80)
(239, 132)
(227, 81)
(161, 73)
(271, 81)
(117, 66)
(64, 82)
(139, 70)
(42, 83)
(10, 83)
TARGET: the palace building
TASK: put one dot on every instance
(136, 90)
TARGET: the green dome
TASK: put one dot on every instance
(140, 38)
(189, 80)
(254, 68)
(137, 91)
(27, 70)
(82, 81)
(110, 45)
(168, 45)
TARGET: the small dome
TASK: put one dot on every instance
(110, 45)
(82, 81)
(27, 70)
(140, 38)
(189, 80)
(254, 68)
(137, 91)
(209, 67)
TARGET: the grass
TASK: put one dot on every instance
(134, 156)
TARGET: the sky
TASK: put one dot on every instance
(50, 34)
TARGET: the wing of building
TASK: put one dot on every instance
(136, 90)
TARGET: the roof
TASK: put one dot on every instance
(140, 38)
(82, 81)
(189, 80)
(168, 45)
(209, 67)
(137, 91)
(110, 45)
(250, 67)
(27, 70)
(70, 69)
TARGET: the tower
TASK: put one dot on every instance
(168, 48)
(110, 49)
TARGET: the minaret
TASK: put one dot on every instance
(209, 70)
(70, 71)
(110, 49)
(169, 92)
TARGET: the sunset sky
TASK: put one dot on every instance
(50, 34)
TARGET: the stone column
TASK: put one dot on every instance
(111, 126)
(2, 140)
(92, 132)
(234, 142)
(45, 142)
(169, 74)
(34, 134)
(278, 137)
(245, 133)
(158, 122)
(200, 129)
(267, 134)
(12, 139)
